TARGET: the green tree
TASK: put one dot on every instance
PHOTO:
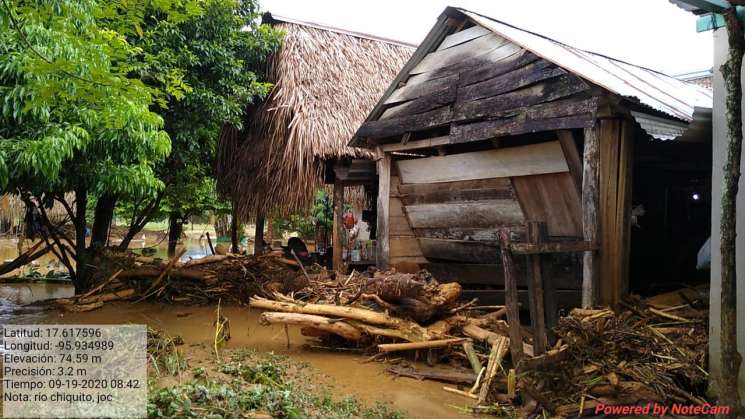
(215, 55)
(74, 118)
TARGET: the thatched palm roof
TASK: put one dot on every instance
(326, 81)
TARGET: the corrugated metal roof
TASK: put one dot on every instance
(653, 89)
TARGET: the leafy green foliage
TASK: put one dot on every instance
(122, 101)
(257, 383)
(72, 115)
(322, 213)
(206, 62)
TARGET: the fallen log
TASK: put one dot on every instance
(355, 313)
(109, 296)
(325, 324)
(441, 343)
(483, 335)
(416, 296)
(182, 273)
(29, 256)
(102, 285)
(435, 374)
(205, 260)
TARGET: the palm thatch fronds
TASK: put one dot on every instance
(13, 212)
(325, 82)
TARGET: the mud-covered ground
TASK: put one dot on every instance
(313, 380)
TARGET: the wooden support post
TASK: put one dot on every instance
(384, 191)
(616, 139)
(590, 203)
(536, 235)
(336, 234)
(569, 147)
(259, 235)
(510, 297)
(549, 293)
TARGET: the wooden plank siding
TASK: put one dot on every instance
(526, 160)
(404, 247)
(553, 199)
(483, 214)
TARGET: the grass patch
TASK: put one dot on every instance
(256, 383)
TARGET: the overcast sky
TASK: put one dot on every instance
(652, 33)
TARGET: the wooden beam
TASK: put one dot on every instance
(566, 139)
(336, 235)
(533, 159)
(417, 144)
(384, 199)
(553, 247)
(511, 298)
(590, 216)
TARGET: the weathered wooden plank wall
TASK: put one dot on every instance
(552, 198)
(534, 159)
(446, 210)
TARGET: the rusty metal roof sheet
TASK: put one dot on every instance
(651, 88)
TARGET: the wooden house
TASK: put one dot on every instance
(495, 138)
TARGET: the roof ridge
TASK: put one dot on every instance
(269, 17)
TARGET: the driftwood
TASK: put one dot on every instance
(498, 351)
(180, 273)
(435, 374)
(320, 323)
(27, 257)
(205, 260)
(366, 320)
(416, 296)
(395, 347)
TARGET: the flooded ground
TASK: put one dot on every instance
(346, 372)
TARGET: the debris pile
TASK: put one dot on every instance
(638, 355)
(391, 312)
(230, 278)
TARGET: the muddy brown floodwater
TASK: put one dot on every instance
(346, 372)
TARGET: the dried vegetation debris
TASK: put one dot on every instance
(648, 351)
(638, 354)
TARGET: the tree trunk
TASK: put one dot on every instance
(140, 220)
(102, 218)
(731, 71)
(259, 235)
(175, 228)
(83, 257)
(234, 228)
